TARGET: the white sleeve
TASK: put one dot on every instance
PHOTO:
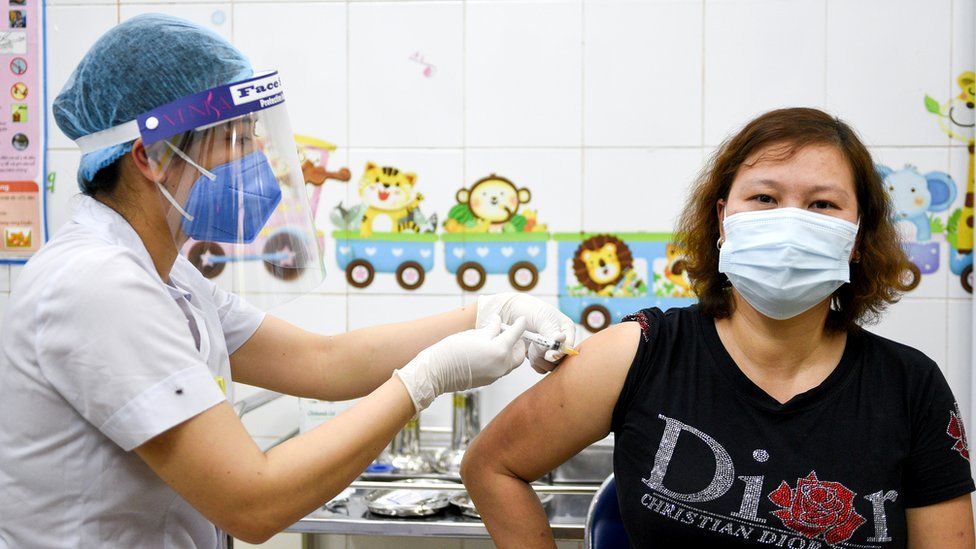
(238, 318)
(116, 346)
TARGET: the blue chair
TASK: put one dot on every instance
(604, 527)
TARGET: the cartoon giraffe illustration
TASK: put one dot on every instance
(956, 118)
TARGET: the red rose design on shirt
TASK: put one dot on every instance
(957, 431)
(817, 508)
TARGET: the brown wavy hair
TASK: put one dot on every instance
(877, 274)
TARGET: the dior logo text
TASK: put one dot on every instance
(815, 508)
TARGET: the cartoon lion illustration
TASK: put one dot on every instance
(600, 262)
(387, 191)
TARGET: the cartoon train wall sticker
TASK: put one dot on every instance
(603, 277)
(387, 231)
(279, 242)
(956, 118)
(488, 232)
(916, 199)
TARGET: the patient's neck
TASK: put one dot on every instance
(782, 356)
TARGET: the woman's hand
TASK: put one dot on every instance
(540, 317)
(465, 360)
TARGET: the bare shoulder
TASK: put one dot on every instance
(611, 350)
(567, 410)
(586, 387)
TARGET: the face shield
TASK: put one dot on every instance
(227, 168)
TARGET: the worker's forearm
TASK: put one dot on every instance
(510, 510)
(310, 469)
(371, 354)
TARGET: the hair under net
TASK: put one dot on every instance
(143, 63)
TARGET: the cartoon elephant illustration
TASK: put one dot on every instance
(913, 195)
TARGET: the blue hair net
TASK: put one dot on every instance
(145, 62)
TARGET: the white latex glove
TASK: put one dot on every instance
(463, 361)
(540, 317)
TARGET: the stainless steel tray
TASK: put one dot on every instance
(463, 502)
(405, 502)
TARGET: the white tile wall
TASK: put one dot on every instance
(603, 108)
(393, 103)
(523, 63)
(636, 189)
(963, 50)
(310, 54)
(642, 76)
(760, 55)
(14, 272)
(921, 323)
(4, 278)
(63, 164)
(323, 314)
(71, 30)
(873, 42)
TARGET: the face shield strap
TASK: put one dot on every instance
(116, 135)
(200, 110)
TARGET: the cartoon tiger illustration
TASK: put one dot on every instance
(386, 190)
(601, 262)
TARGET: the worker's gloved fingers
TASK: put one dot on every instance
(513, 334)
(553, 357)
(537, 359)
(492, 325)
(519, 353)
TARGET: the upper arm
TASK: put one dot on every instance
(211, 461)
(282, 357)
(285, 358)
(945, 525)
(566, 411)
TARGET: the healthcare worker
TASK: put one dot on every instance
(117, 355)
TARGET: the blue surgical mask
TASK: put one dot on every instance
(785, 261)
(232, 202)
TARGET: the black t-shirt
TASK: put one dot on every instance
(704, 458)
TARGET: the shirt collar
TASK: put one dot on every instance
(114, 228)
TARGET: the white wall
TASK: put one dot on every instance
(604, 108)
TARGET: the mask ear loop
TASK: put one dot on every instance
(172, 201)
(718, 243)
(206, 173)
(209, 175)
(856, 255)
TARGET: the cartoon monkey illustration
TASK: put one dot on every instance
(493, 201)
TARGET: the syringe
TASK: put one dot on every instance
(546, 342)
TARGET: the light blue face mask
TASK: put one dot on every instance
(785, 261)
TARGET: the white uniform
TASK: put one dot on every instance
(97, 356)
